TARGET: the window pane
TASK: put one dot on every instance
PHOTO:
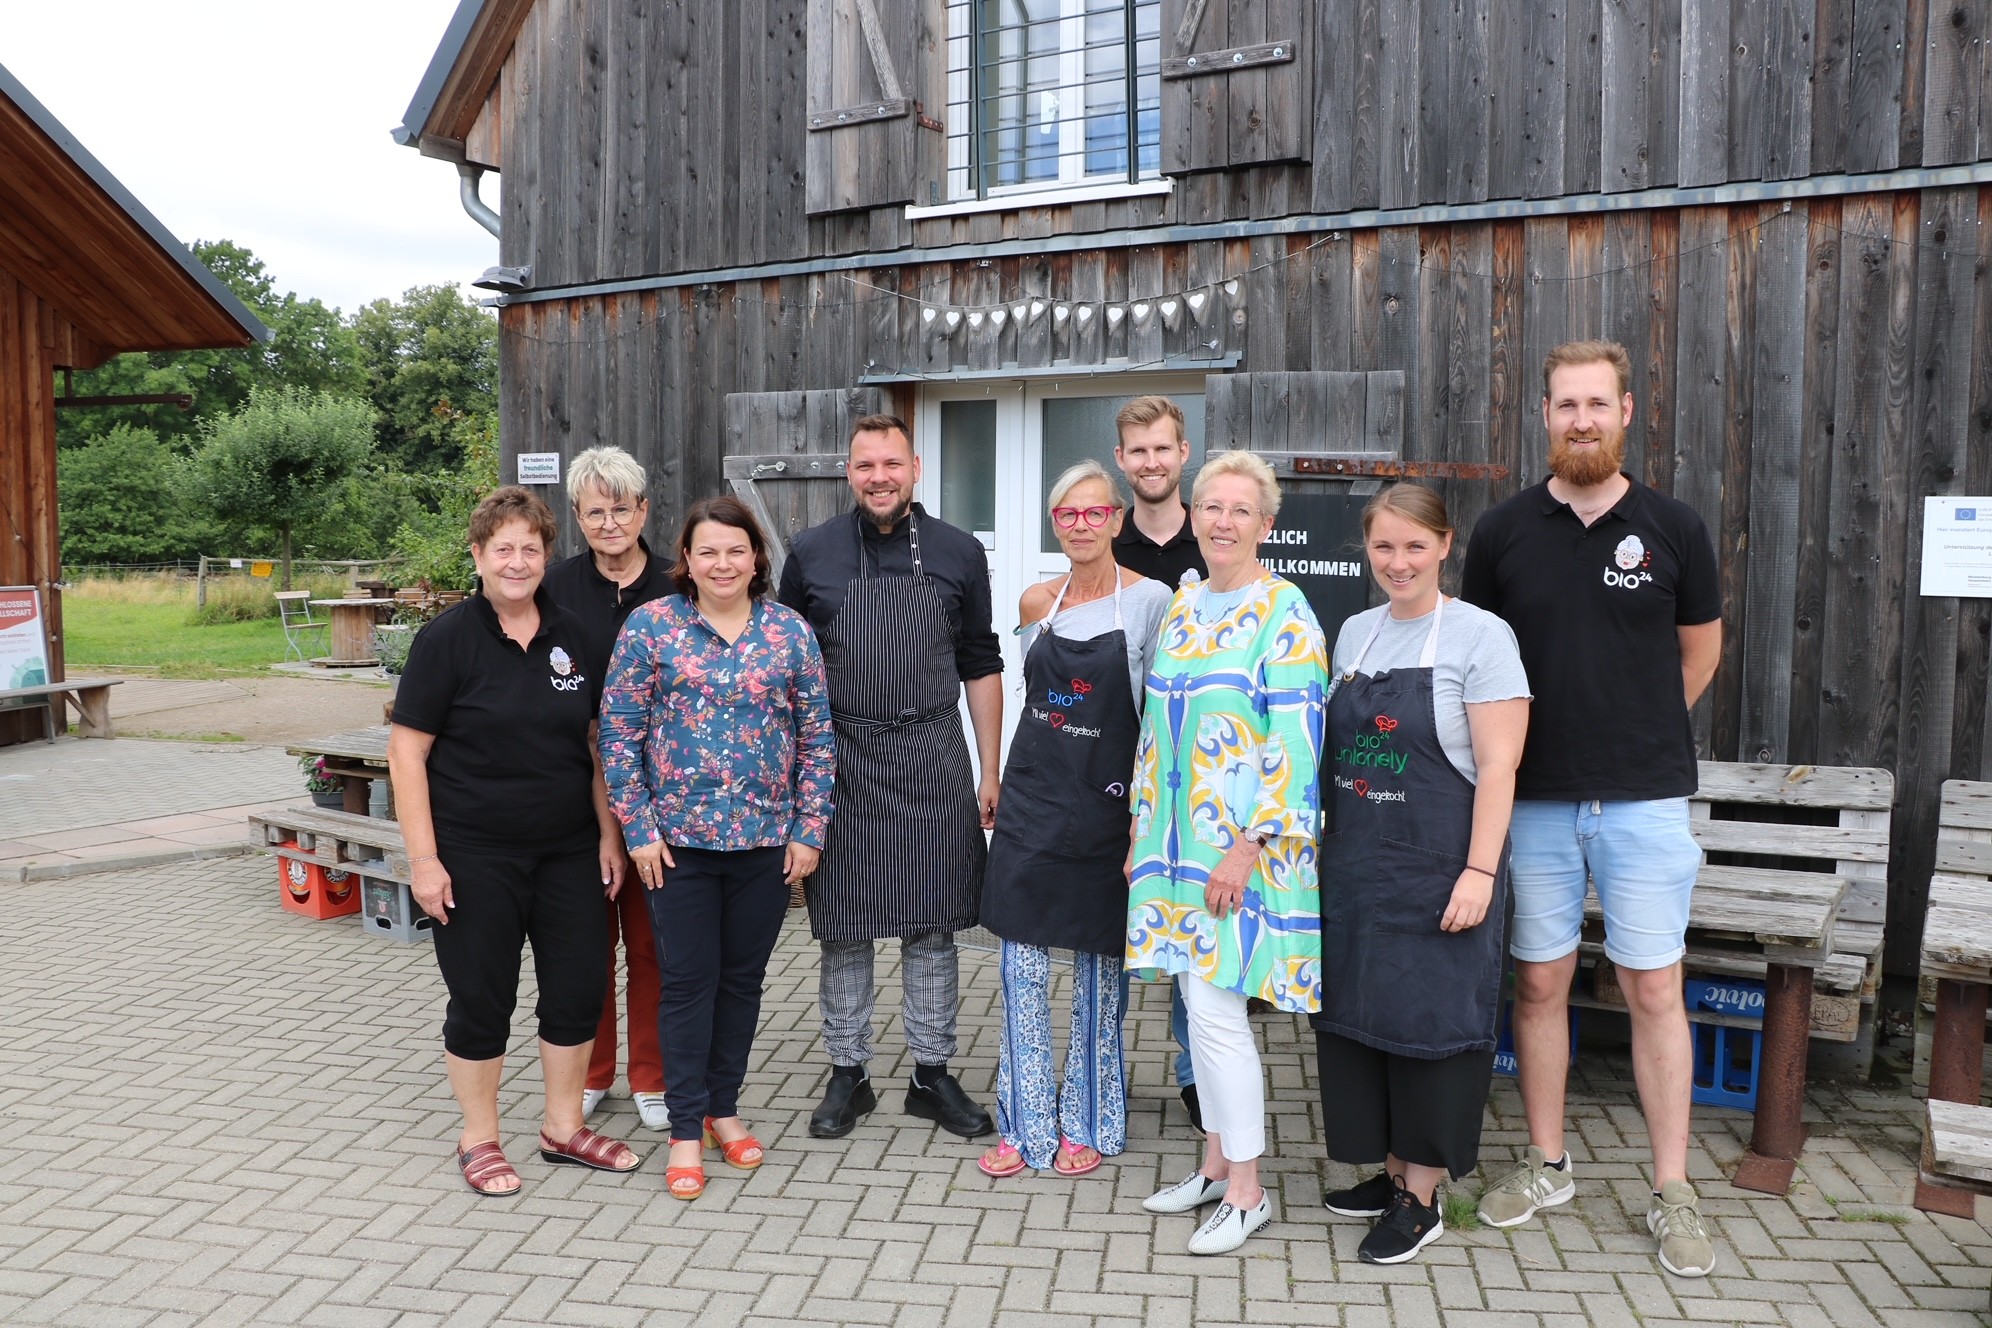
(968, 464)
(1078, 428)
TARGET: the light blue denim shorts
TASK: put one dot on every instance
(1639, 855)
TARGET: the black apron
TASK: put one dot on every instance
(1056, 859)
(1400, 825)
(905, 850)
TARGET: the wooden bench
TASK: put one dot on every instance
(1793, 929)
(340, 841)
(1957, 954)
(1956, 1164)
(91, 696)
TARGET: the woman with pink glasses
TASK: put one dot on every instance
(1055, 877)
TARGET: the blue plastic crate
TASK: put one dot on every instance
(1727, 1064)
(1504, 1049)
(1740, 996)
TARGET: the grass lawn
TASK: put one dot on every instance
(145, 624)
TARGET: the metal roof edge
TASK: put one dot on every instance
(413, 120)
(216, 289)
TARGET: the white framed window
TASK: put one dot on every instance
(1052, 94)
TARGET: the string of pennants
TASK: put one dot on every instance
(942, 322)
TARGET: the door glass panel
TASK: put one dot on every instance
(968, 465)
(1078, 428)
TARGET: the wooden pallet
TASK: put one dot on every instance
(337, 840)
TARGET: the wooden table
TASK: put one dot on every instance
(358, 757)
(352, 631)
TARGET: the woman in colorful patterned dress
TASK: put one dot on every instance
(1226, 815)
(717, 747)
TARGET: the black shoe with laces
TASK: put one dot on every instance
(1371, 1198)
(1406, 1227)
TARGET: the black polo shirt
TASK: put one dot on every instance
(578, 586)
(511, 765)
(1596, 612)
(1159, 562)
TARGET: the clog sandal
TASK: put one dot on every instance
(588, 1149)
(742, 1154)
(1001, 1161)
(482, 1164)
(1075, 1159)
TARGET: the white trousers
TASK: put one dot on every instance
(1231, 1088)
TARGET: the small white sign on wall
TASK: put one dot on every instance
(1957, 546)
(539, 467)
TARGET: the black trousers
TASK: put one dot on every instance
(505, 897)
(715, 921)
(1375, 1103)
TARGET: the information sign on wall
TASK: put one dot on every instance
(1957, 546)
(539, 467)
(23, 637)
(1317, 543)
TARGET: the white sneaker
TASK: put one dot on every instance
(1186, 1195)
(650, 1106)
(1675, 1220)
(1228, 1227)
(591, 1098)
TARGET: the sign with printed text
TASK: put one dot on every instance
(1317, 543)
(1957, 546)
(539, 467)
(23, 637)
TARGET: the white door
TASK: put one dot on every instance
(989, 451)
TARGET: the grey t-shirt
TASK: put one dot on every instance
(1477, 661)
(1143, 606)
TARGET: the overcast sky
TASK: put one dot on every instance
(264, 122)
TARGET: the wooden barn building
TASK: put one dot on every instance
(1347, 226)
(85, 273)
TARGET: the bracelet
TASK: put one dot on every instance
(430, 858)
(1482, 870)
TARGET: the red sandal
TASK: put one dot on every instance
(588, 1149)
(481, 1164)
(736, 1151)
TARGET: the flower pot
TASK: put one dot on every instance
(335, 799)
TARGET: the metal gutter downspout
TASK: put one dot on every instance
(480, 212)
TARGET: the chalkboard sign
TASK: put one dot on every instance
(1317, 543)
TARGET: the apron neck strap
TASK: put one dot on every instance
(1426, 657)
(912, 538)
(1120, 624)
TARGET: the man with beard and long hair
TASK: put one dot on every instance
(900, 603)
(1612, 592)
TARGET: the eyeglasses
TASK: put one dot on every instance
(1240, 515)
(1068, 517)
(619, 514)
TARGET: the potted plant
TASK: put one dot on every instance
(326, 789)
(391, 642)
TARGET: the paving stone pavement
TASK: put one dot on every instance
(215, 1112)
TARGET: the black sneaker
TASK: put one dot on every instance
(1406, 1227)
(1194, 1107)
(1369, 1199)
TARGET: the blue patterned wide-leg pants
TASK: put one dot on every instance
(1090, 1108)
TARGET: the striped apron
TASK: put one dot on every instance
(905, 850)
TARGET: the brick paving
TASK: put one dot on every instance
(215, 1112)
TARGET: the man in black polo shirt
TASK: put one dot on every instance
(601, 586)
(1612, 593)
(1157, 542)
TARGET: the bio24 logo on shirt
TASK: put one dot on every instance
(564, 679)
(1634, 560)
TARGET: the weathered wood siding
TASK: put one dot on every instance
(34, 342)
(1804, 377)
(644, 137)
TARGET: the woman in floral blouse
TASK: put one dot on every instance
(717, 746)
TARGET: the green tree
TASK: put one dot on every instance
(431, 361)
(116, 501)
(435, 545)
(310, 348)
(277, 462)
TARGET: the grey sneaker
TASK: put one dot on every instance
(1533, 1184)
(1685, 1250)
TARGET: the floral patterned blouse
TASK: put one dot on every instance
(718, 746)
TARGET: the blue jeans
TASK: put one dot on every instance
(1639, 855)
(1179, 1028)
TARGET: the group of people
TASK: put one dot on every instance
(1197, 789)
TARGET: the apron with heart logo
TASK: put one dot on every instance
(1055, 875)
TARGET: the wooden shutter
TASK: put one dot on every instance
(1237, 83)
(784, 457)
(874, 67)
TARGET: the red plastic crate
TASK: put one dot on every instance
(314, 892)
